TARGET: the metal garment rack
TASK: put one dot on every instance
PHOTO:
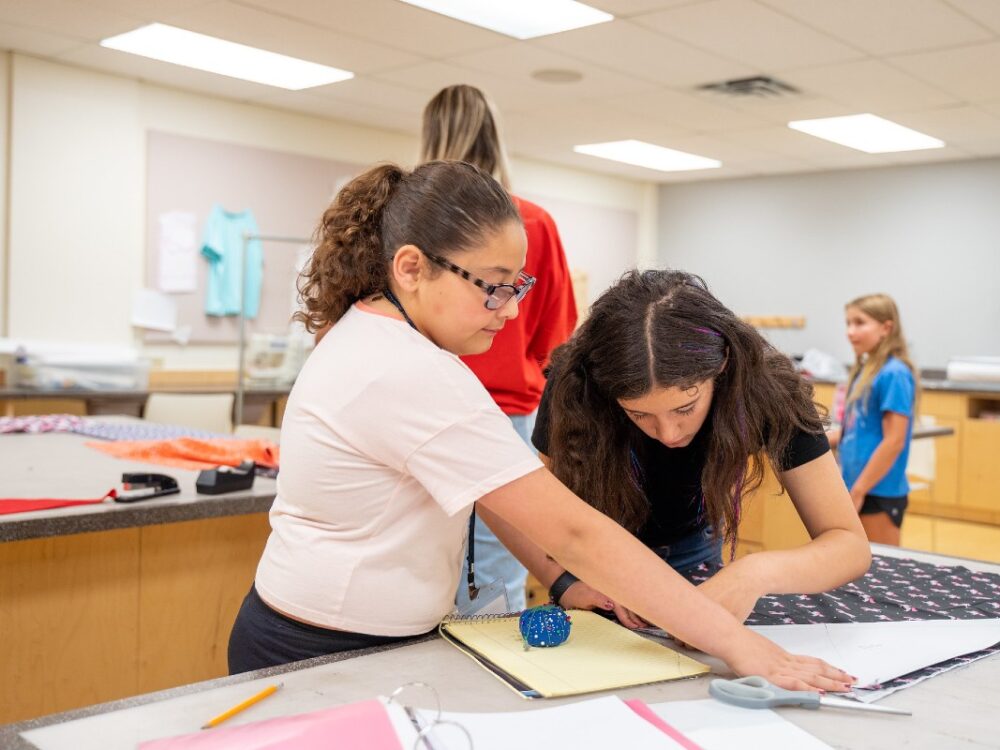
(247, 239)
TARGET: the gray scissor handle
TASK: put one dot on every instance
(756, 692)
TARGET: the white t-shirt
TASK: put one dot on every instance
(386, 442)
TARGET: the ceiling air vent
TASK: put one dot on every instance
(760, 86)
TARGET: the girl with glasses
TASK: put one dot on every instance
(662, 412)
(389, 439)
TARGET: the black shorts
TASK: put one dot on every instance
(895, 507)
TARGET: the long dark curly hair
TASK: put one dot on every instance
(664, 329)
(442, 207)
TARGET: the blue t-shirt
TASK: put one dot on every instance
(223, 246)
(893, 389)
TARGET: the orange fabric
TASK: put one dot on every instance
(192, 453)
(512, 368)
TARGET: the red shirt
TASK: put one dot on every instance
(511, 369)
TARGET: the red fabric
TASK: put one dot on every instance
(193, 453)
(512, 368)
(647, 713)
(9, 505)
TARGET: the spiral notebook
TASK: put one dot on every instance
(599, 655)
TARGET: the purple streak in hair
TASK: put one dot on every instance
(709, 331)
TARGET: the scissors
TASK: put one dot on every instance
(756, 692)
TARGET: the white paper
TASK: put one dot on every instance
(599, 723)
(178, 246)
(153, 309)
(876, 652)
(719, 726)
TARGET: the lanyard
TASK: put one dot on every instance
(471, 546)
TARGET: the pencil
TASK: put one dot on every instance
(269, 690)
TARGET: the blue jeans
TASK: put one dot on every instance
(493, 561)
(692, 550)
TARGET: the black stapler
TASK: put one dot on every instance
(142, 486)
(224, 479)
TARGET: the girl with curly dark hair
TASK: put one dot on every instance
(662, 412)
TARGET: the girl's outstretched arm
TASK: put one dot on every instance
(611, 560)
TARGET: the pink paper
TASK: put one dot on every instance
(646, 712)
(356, 725)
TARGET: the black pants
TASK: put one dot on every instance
(895, 507)
(263, 638)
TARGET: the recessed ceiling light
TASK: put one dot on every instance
(557, 75)
(648, 155)
(181, 47)
(867, 132)
(521, 19)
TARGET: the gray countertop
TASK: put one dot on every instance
(941, 384)
(60, 465)
(954, 708)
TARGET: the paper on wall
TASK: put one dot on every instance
(178, 245)
(153, 309)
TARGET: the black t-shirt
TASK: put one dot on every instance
(672, 476)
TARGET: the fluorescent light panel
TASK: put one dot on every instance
(192, 50)
(867, 132)
(648, 155)
(521, 19)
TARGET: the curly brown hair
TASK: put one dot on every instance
(442, 207)
(665, 329)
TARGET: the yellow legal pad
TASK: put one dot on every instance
(599, 655)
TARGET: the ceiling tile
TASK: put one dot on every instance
(788, 142)
(367, 90)
(34, 41)
(67, 18)
(632, 49)
(986, 12)
(623, 8)
(509, 94)
(782, 109)
(276, 33)
(868, 85)
(751, 33)
(955, 126)
(519, 60)
(683, 110)
(148, 10)
(969, 73)
(886, 27)
(390, 23)
(361, 114)
(926, 156)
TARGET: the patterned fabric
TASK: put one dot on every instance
(893, 590)
(40, 423)
(139, 431)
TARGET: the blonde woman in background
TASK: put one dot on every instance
(460, 124)
(878, 416)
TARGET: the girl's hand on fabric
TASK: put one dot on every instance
(756, 655)
(581, 596)
(628, 618)
(734, 589)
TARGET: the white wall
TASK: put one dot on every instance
(4, 144)
(929, 235)
(78, 176)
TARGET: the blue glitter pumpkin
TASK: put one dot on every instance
(544, 626)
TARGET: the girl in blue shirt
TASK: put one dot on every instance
(878, 416)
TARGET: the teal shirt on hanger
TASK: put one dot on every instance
(223, 247)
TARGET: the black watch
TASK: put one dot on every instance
(559, 586)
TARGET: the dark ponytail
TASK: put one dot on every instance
(441, 207)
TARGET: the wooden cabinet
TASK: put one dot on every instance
(980, 465)
(88, 618)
